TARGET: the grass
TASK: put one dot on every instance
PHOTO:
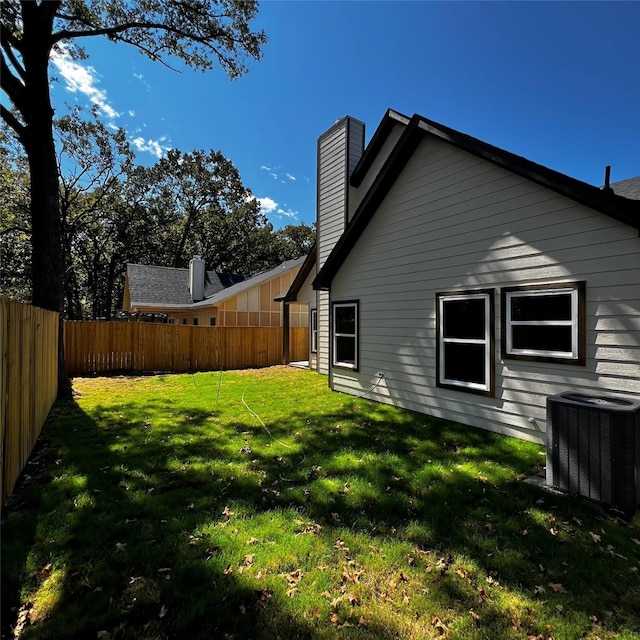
(258, 504)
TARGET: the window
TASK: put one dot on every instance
(465, 345)
(195, 322)
(345, 334)
(314, 330)
(544, 322)
(184, 321)
(212, 321)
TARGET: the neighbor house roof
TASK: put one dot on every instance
(627, 188)
(252, 281)
(417, 128)
(301, 276)
(152, 285)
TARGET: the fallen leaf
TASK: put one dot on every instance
(635, 541)
(464, 574)
(291, 592)
(335, 618)
(227, 512)
(557, 587)
(121, 546)
(440, 626)
(539, 589)
(474, 615)
(595, 536)
(248, 559)
(294, 577)
(354, 600)
(163, 612)
(336, 601)
(253, 541)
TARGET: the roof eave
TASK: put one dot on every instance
(617, 207)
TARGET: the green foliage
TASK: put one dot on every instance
(258, 504)
(197, 33)
(15, 222)
(114, 212)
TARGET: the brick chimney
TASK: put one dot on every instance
(196, 278)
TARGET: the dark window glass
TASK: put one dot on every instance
(541, 338)
(212, 321)
(464, 362)
(184, 321)
(464, 319)
(345, 350)
(345, 319)
(195, 321)
(541, 308)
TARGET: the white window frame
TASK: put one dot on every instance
(336, 335)
(487, 341)
(574, 323)
(313, 317)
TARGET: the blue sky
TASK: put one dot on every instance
(556, 82)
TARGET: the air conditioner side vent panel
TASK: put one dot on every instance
(593, 448)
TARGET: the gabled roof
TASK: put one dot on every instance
(301, 276)
(252, 281)
(418, 127)
(170, 286)
(627, 188)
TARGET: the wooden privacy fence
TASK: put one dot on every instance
(100, 347)
(28, 382)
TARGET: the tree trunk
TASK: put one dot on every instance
(46, 229)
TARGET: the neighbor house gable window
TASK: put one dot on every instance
(345, 334)
(465, 341)
(544, 322)
(314, 330)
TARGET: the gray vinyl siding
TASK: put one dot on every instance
(332, 190)
(331, 211)
(339, 150)
(453, 221)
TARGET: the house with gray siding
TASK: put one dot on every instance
(456, 279)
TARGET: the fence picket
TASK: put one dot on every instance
(100, 347)
(28, 383)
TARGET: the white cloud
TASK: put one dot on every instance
(267, 205)
(270, 208)
(83, 80)
(274, 173)
(154, 147)
(131, 112)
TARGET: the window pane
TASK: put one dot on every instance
(464, 362)
(345, 319)
(544, 307)
(345, 350)
(538, 338)
(464, 318)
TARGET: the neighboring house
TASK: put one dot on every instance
(476, 282)
(197, 296)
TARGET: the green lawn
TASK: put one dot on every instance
(258, 504)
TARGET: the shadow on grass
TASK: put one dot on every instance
(136, 531)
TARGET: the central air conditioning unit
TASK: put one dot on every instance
(593, 448)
